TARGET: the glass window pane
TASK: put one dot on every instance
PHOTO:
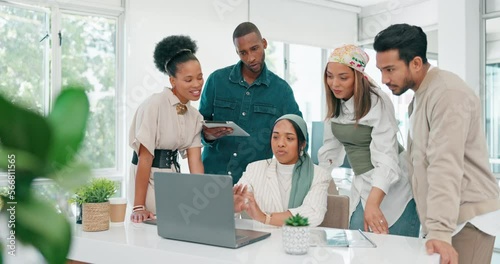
(492, 113)
(89, 59)
(306, 75)
(492, 6)
(492, 92)
(275, 58)
(23, 56)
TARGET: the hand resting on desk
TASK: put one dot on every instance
(448, 254)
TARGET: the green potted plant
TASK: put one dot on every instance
(296, 235)
(94, 199)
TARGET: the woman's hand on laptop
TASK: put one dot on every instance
(139, 216)
(240, 201)
(253, 209)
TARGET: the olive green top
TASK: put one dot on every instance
(356, 140)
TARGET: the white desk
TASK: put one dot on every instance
(139, 243)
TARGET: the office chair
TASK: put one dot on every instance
(337, 212)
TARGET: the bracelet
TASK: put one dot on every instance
(138, 208)
(268, 219)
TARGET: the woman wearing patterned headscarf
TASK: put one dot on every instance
(361, 123)
(290, 183)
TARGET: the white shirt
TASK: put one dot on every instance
(156, 125)
(262, 178)
(285, 174)
(389, 173)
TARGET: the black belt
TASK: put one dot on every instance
(164, 158)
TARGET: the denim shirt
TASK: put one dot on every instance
(228, 97)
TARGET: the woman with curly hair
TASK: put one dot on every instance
(166, 124)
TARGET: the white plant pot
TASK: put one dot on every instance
(296, 239)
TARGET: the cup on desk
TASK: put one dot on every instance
(118, 207)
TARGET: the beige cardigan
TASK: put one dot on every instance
(449, 168)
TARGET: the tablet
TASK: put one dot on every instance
(237, 131)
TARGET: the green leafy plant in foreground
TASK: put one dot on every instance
(297, 220)
(33, 146)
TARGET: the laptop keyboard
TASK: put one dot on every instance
(240, 237)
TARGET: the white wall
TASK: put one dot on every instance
(301, 23)
(374, 19)
(210, 23)
(149, 21)
(459, 39)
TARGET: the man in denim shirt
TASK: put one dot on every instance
(248, 94)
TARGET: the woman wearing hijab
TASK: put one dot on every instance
(361, 123)
(275, 189)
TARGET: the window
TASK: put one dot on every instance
(44, 48)
(21, 32)
(275, 58)
(492, 6)
(306, 78)
(88, 57)
(491, 115)
(491, 92)
(302, 67)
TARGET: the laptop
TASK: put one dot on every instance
(199, 208)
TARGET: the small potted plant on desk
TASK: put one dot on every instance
(296, 235)
(94, 200)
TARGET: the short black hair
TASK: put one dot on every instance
(245, 28)
(409, 40)
(171, 51)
